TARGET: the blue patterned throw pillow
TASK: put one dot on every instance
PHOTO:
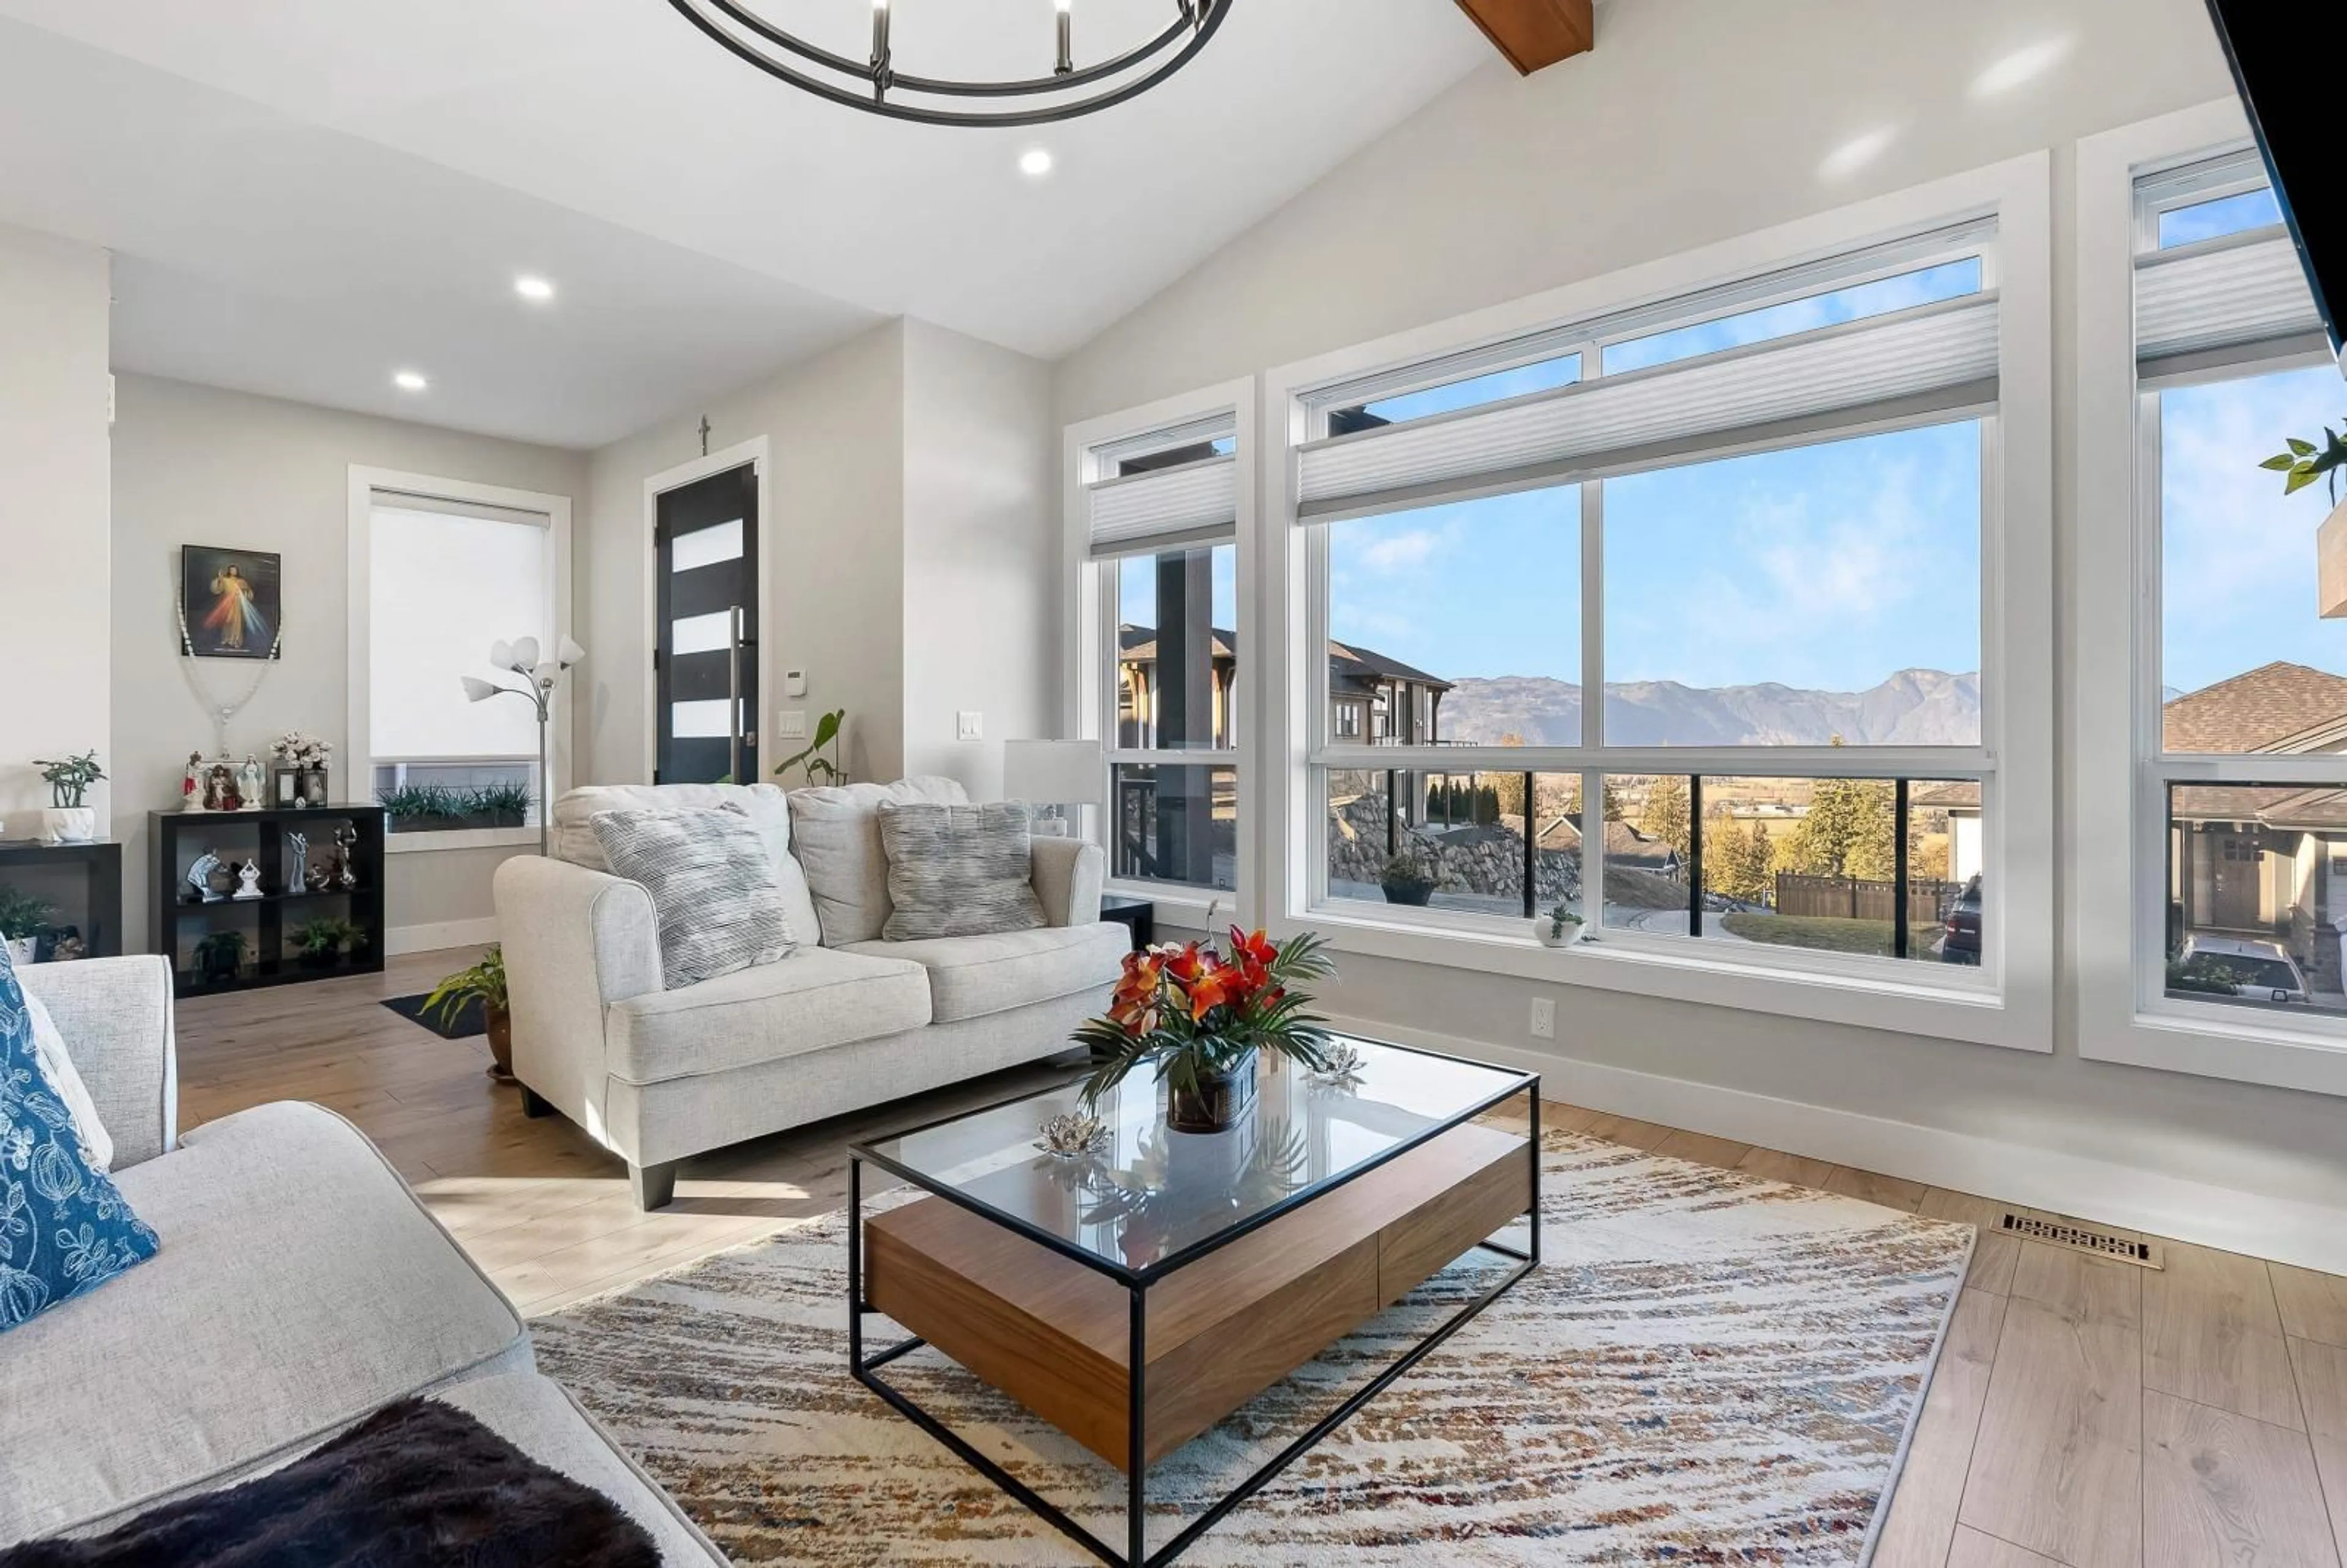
(64, 1227)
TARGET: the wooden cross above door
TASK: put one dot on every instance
(1534, 34)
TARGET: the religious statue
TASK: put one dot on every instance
(249, 780)
(199, 877)
(346, 871)
(297, 858)
(191, 790)
(248, 882)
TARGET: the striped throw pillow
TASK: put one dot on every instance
(958, 871)
(712, 884)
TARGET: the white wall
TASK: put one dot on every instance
(1691, 122)
(54, 544)
(834, 562)
(981, 553)
(910, 553)
(197, 464)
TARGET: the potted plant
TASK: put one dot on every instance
(817, 765)
(219, 957)
(498, 805)
(24, 919)
(485, 982)
(325, 943)
(1560, 928)
(1407, 878)
(1200, 1018)
(68, 819)
(2301, 463)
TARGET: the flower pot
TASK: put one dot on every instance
(1221, 1101)
(500, 1022)
(1549, 937)
(68, 823)
(23, 950)
(1417, 894)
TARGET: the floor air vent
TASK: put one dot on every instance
(2082, 1238)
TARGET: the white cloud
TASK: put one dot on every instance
(1403, 551)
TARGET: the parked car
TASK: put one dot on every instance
(1959, 942)
(2239, 967)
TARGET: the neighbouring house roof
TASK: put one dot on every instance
(1363, 667)
(1957, 794)
(2277, 707)
(2289, 807)
(1624, 845)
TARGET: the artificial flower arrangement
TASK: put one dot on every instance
(295, 749)
(1198, 1016)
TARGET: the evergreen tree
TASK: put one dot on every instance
(1666, 814)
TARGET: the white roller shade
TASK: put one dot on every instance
(1943, 353)
(1182, 505)
(2221, 294)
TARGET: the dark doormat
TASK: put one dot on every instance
(471, 1018)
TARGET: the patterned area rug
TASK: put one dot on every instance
(1709, 1368)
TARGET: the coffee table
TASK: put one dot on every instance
(1134, 1298)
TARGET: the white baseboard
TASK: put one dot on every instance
(2312, 1235)
(398, 939)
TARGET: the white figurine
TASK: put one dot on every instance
(248, 882)
(249, 783)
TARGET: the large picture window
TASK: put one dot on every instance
(1756, 520)
(2243, 831)
(1161, 518)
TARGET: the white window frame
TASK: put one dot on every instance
(358, 758)
(1090, 645)
(2010, 1001)
(2117, 924)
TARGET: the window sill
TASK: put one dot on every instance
(1972, 1013)
(2190, 1040)
(460, 838)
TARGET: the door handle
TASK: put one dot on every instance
(733, 726)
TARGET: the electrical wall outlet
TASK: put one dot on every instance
(969, 725)
(1543, 1019)
(791, 724)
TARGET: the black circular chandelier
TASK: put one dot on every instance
(877, 86)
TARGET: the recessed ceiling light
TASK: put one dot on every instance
(530, 287)
(409, 381)
(1035, 163)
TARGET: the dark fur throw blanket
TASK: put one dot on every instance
(416, 1485)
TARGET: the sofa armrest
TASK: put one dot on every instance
(115, 1017)
(1068, 876)
(575, 942)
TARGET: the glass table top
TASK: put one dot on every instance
(1150, 1195)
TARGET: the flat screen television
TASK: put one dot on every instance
(2285, 60)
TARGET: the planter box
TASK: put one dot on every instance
(2330, 564)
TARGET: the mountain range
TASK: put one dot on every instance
(1913, 707)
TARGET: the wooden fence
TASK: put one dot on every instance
(1849, 898)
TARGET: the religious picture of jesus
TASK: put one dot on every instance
(229, 602)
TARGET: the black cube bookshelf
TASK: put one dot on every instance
(180, 921)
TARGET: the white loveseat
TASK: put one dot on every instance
(848, 1022)
(299, 1288)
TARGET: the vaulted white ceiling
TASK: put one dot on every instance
(305, 196)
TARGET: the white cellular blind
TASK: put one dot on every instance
(1188, 502)
(2222, 294)
(1185, 491)
(442, 584)
(1937, 355)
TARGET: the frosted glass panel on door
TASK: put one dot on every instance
(711, 633)
(703, 721)
(706, 547)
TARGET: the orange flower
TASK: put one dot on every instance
(1208, 992)
(1258, 949)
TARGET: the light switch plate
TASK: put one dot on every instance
(791, 724)
(969, 725)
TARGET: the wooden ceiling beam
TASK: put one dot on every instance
(1535, 34)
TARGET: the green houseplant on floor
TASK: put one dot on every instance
(485, 982)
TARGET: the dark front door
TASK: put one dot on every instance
(705, 657)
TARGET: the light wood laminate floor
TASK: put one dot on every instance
(2085, 1412)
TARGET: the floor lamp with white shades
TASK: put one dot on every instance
(541, 677)
(1056, 774)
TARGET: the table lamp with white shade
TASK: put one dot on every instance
(541, 676)
(1055, 773)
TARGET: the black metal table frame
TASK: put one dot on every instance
(1136, 1554)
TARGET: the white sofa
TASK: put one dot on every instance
(299, 1288)
(848, 1022)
